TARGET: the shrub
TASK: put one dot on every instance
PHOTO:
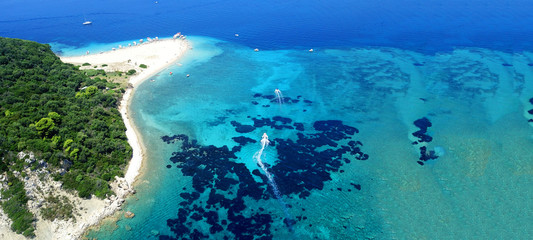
(143, 66)
(57, 207)
(131, 72)
(16, 208)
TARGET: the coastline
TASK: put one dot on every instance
(157, 55)
(132, 133)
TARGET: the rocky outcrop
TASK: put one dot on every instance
(87, 212)
(129, 214)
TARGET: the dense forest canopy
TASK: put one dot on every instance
(63, 116)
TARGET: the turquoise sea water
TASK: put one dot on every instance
(409, 120)
(477, 101)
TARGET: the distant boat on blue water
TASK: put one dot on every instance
(86, 22)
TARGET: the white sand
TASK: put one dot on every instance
(157, 55)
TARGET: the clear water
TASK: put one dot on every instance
(377, 66)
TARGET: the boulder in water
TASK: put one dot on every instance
(129, 214)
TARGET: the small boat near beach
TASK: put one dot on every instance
(87, 23)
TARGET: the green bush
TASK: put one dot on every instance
(16, 208)
(86, 64)
(57, 207)
(143, 66)
(131, 72)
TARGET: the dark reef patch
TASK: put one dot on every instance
(242, 140)
(423, 124)
(274, 99)
(221, 183)
(299, 126)
(276, 122)
(213, 170)
(240, 128)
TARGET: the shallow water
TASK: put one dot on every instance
(478, 187)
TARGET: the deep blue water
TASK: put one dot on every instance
(424, 26)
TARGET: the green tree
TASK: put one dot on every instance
(45, 126)
(55, 117)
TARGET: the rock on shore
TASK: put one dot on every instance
(87, 212)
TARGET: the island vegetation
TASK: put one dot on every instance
(67, 118)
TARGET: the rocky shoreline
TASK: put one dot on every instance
(39, 185)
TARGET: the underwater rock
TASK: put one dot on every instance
(269, 97)
(425, 155)
(129, 214)
(299, 126)
(240, 128)
(242, 140)
(422, 136)
(283, 120)
(423, 123)
(169, 140)
(278, 123)
(356, 186)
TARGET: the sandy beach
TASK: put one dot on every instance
(156, 55)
